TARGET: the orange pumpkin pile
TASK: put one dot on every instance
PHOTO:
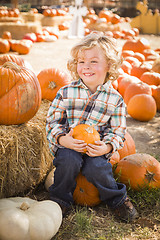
(138, 83)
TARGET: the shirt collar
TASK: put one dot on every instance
(103, 87)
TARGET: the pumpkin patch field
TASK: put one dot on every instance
(25, 160)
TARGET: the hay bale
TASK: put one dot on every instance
(11, 19)
(25, 159)
(55, 21)
(18, 30)
(31, 17)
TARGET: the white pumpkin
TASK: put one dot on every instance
(28, 219)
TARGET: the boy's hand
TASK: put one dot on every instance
(68, 141)
(98, 149)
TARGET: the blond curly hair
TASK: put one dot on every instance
(108, 46)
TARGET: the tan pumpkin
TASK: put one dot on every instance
(129, 146)
(142, 107)
(28, 219)
(86, 133)
(138, 171)
(85, 193)
(151, 78)
(136, 88)
(156, 66)
(51, 80)
(20, 94)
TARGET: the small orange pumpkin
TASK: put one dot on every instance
(51, 80)
(86, 133)
(20, 94)
(129, 146)
(138, 171)
(85, 193)
(124, 83)
(142, 107)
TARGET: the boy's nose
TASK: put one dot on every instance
(87, 65)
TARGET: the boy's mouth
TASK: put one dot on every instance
(88, 74)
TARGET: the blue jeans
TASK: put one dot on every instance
(97, 170)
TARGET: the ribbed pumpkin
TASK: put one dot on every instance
(142, 107)
(136, 88)
(139, 170)
(87, 133)
(14, 58)
(51, 80)
(151, 78)
(85, 193)
(129, 146)
(20, 94)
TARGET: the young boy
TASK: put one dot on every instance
(90, 99)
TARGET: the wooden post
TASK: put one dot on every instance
(15, 3)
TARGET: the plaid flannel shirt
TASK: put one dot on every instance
(75, 104)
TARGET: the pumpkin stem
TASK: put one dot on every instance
(52, 85)
(12, 65)
(150, 176)
(24, 206)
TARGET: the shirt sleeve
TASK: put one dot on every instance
(116, 133)
(56, 122)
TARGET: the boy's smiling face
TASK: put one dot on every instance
(92, 67)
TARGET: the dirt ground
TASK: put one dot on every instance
(55, 54)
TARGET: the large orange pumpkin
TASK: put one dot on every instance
(14, 58)
(51, 80)
(136, 45)
(151, 78)
(129, 146)
(85, 193)
(136, 88)
(20, 94)
(142, 107)
(139, 170)
(86, 133)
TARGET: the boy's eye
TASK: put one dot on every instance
(80, 62)
(93, 61)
